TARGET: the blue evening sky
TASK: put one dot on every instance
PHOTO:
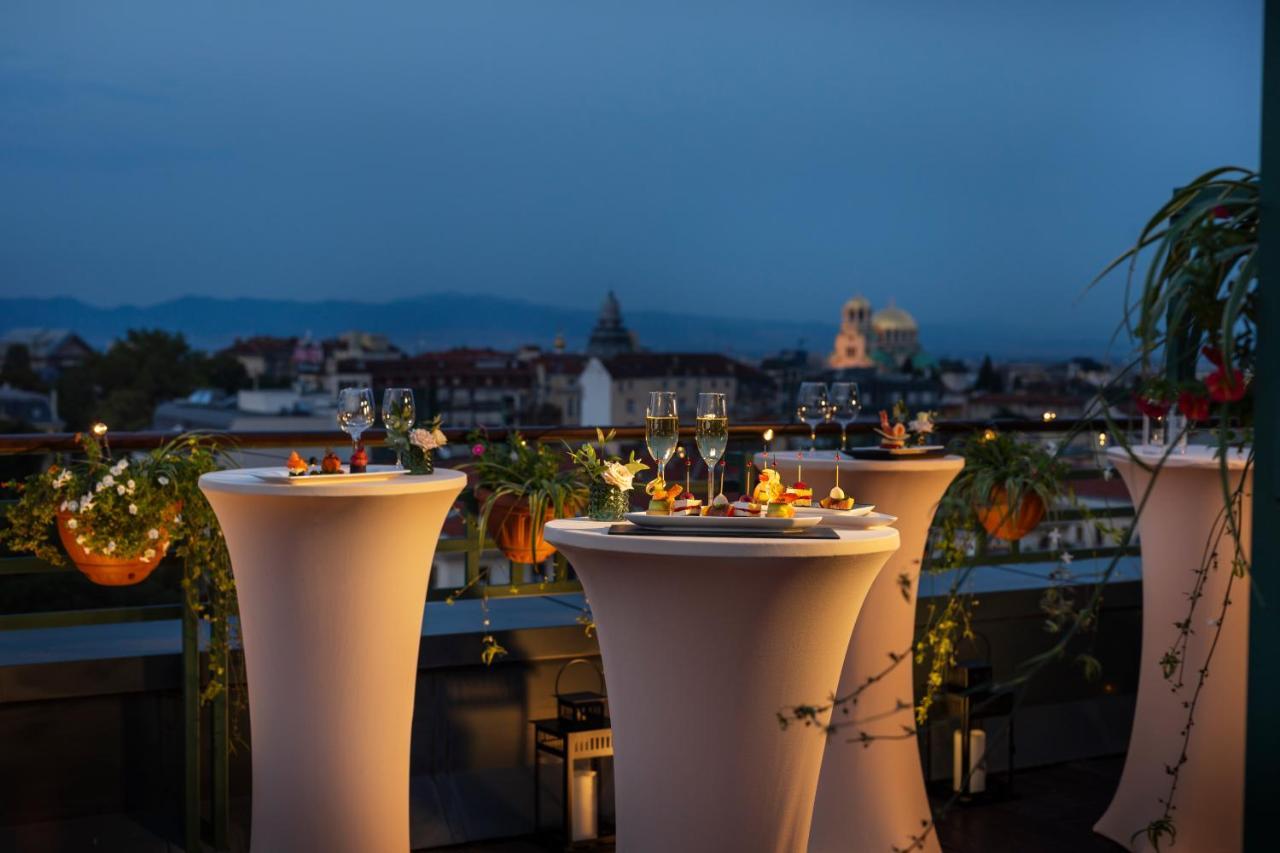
(743, 158)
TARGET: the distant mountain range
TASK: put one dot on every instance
(445, 320)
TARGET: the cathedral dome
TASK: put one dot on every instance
(858, 301)
(893, 319)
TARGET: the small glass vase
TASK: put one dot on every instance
(606, 502)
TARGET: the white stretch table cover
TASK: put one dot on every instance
(873, 797)
(1175, 528)
(704, 641)
(332, 579)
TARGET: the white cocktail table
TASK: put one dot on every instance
(705, 641)
(1175, 527)
(332, 579)
(873, 797)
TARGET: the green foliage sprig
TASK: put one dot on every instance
(595, 465)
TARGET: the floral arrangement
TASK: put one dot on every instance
(126, 509)
(414, 446)
(608, 477)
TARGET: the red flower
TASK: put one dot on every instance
(1194, 406)
(1225, 386)
(477, 450)
(1150, 406)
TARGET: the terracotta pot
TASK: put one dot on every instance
(105, 570)
(1005, 524)
(512, 527)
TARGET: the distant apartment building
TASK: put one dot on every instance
(313, 365)
(467, 387)
(268, 361)
(616, 390)
(50, 351)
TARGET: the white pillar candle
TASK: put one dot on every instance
(584, 805)
(977, 770)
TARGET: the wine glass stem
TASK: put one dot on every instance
(813, 438)
(844, 436)
(711, 479)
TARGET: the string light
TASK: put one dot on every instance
(99, 429)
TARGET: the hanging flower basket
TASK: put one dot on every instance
(1003, 523)
(104, 569)
(512, 526)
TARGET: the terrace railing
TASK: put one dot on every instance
(745, 439)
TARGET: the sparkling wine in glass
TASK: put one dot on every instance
(712, 435)
(811, 407)
(661, 429)
(355, 413)
(843, 407)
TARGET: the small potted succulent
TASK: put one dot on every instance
(609, 479)
(115, 518)
(520, 486)
(1008, 483)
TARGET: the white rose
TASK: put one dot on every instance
(133, 509)
(422, 439)
(616, 474)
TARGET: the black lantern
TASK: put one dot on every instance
(580, 733)
(969, 696)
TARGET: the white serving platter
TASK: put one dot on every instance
(374, 473)
(822, 512)
(721, 522)
(848, 521)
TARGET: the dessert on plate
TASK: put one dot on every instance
(295, 466)
(747, 507)
(662, 498)
(780, 509)
(800, 494)
(331, 464)
(892, 436)
(836, 499)
(686, 504)
(769, 488)
(720, 506)
(359, 460)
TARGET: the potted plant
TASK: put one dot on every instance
(609, 479)
(115, 518)
(1008, 483)
(521, 485)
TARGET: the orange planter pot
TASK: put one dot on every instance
(1003, 523)
(512, 526)
(105, 570)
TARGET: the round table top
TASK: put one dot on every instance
(594, 535)
(1196, 456)
(825, 460)
(242, 481)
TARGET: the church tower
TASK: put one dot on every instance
(852, 345)
(610, 337)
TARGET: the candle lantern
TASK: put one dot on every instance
(970, 699)
(579, 736)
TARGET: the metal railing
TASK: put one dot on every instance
(745, 439)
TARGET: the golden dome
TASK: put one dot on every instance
(893, 319)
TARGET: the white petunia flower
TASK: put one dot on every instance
(72, 524)
(99, 487)
(108, 481)
(153, 534)
(163, 480)
(86, 503)
(132, 485)
(80, 539)
(62, 479)
(119, 490)
(149, 553)
(133, 509)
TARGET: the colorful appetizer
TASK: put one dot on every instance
(745, 506)
(331, 464)
(769, 488)
(780, 509)
(359, 461)
(800, 494)
(837, 499)
(686, 504)
(720, 506)
(295, 465)
(662, 498)
(892, 436)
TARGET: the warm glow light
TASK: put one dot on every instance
(1050, 416)
(989, 435)
(99, 429)
(768, 435)
(1102, 439)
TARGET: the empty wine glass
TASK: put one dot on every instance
(712, 435)
(398, 410)
(355, 413)
(661, 429)
(843, 407)
(811, 407)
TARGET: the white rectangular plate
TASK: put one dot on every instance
(822, 512)
(375, 472)
(847, 521)
(721, 522)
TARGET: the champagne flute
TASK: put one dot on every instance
(844, 407)
(712, 435)
(811, 407)
(355, 413)
(661, 429)
(398, 413)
